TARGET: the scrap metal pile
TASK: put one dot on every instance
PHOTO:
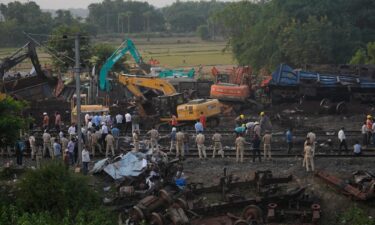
(360, 187)
(153, 189)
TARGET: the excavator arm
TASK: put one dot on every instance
(133, 82)
(126, 46)
(18, 57)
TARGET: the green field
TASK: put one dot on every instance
(171, 52)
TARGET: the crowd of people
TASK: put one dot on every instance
(102, 131)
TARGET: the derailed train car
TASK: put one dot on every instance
(288, 84)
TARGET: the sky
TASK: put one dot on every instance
(65, 4)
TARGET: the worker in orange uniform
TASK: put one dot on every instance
(369, 128)
(174, 121)
(202, 119)
(45, 121)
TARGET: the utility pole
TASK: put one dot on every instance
(78, 97)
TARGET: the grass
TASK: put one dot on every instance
(172, 52)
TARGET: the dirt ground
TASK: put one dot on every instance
(332, 202)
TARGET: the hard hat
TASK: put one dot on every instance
(256, 123)
(44, 114)
(262, 113)
(369, 116)
(174, 129)
(242, 116)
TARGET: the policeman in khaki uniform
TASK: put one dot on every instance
(95, 143)
(136, 140)
(180, 144)
(200, 144)
(309, 157)
(240, 147)
(110, 144)
(154, 136)
(216, 138)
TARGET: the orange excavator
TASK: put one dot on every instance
(233, 85)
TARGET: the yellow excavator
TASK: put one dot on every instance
(170, 103)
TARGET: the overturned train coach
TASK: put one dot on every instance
(289, 85)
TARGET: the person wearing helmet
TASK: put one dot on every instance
(265, 123)
(240, 120)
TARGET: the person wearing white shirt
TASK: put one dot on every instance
(342, 139)
(104, 133)
(72, 130)
(119, 119)
(128, 122)
(87, 117)
(85, 160)
(364, 134)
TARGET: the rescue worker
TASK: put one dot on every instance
(116, 134)
(45, 121)
(289, 140)
(128, 122)
(240, 120)
(202, 119)
(216, 138)
(342, 139)
(95, 142)
(135, 121)
(38, 156)
(154, 137)
(265, 123)
(312, 137)
(267, 138)
(186, 142)
(47, 144)
(256, 147)
(57, 121)
(173, 139)
(257, 128)
(32, 143)
(64, 143)
(200, 144)
(357, 149)
(241, 129)
(180, 144)
(364, 134)
(174, 121)
(198, 127)
(307, 141)
(309, 156)
(136, 140)
(369, 128)
(110, 144)
(105, 131)
(240, 147)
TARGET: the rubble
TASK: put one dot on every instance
(360, 187)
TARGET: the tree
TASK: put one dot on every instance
(203, 32)
(11, 120)
(128, 16)
(266, 33)
(101, 52)
(364, 56)
(62, 42)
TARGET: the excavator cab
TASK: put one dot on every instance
(167, 105)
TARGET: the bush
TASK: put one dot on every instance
(203, 32)
(355, 215)
(55, 189)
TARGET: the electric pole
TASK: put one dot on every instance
(78, 97)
